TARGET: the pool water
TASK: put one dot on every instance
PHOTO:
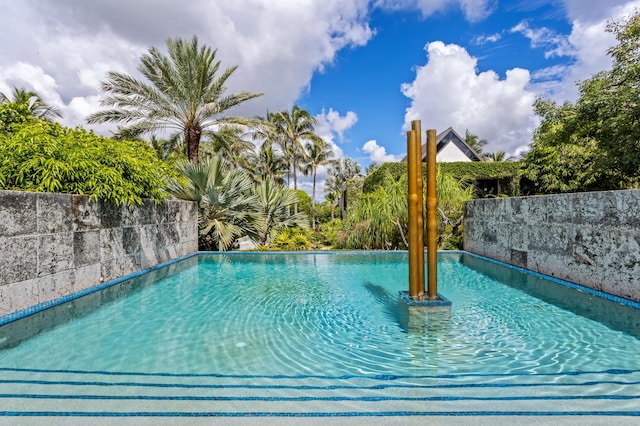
(335, 314)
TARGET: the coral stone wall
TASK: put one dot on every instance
(590, 238)
(54, 244)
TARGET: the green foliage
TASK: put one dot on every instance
(452, 194)
(31, 100)
(275, 203)
(183, 92)
(13, 115)
(379, 220)
(343, 174)
(508, 173)
(228, 207)
(561, 159)
(41, 156)
(593, 144)
(290, 239)
(304, 202)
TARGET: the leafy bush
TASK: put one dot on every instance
(290, 239)
(507, 172)
(41, 156)
(12, 115)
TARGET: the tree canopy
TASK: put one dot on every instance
(594, 143)
(184, 93)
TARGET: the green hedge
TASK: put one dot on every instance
(507, 172)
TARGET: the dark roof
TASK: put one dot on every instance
(446, 137)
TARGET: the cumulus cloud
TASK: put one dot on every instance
(330, 123)
(76, 42)
(378, 154)
(449, 92)
(595, 11)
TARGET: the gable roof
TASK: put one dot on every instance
(445, 138)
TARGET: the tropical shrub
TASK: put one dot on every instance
(506, 172)
(40, 156)
(228, 208)
(290, 239)
(380, 218)
(275, 204)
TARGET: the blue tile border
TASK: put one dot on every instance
(326, 414)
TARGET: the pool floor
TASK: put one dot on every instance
(510, 381)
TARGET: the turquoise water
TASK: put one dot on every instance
(336, 314)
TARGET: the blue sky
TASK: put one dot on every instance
(364, 68)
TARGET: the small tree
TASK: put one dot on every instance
(339, 174)
(319, 153)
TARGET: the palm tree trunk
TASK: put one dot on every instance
(313, 202)
(192, 139)
(295, 186)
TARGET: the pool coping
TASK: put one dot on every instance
(22, 313)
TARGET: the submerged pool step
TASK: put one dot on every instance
(29, 392)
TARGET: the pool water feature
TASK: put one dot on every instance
(327, 327)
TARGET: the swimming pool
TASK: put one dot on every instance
(293, 325)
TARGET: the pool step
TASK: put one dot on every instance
(69, 393)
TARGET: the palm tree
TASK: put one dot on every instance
(34, 103)
(319, 153)
(269, 165)
(498, 156)
(274, 202)
(184, 93)
(293, 128)
(473, 141)
(228, 207)
(341, 171)
(231, 146)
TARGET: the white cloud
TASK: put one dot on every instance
(378, 154)
(555, 44)
(474, 10)
(330, 123)
(596, 11)
(277, 44)
(589, 42)
(449, 92)
(485, 39)
(29, 77)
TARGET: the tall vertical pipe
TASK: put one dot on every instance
(415, 288)
(432, 226)
(416, 126)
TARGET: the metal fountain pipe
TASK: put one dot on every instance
(414, 199)
(416, 125)
(432, 226)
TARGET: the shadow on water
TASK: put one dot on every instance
(614, 315)
(410, 319)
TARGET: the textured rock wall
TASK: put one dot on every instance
(589, 238)
(55, 244)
